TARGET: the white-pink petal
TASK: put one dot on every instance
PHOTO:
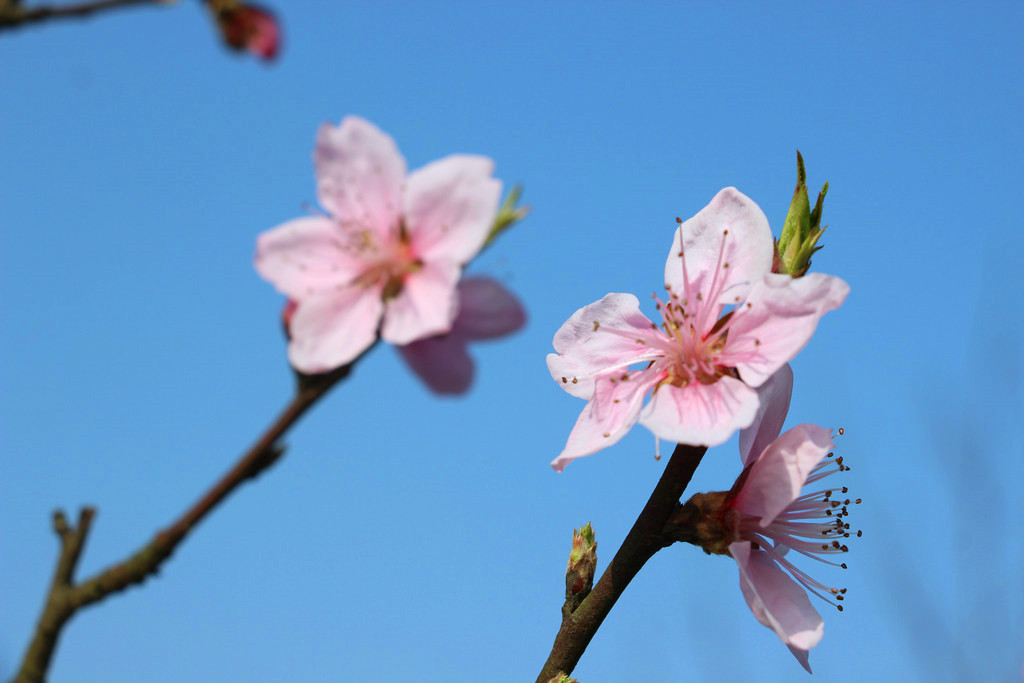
(487, 309)
(778, 319)
(774, 396)
(449, 207)
(425, 306)
(748, 249)
(700, 414)
(305, 256)
(359, 174)
(607, 417)
(780, 472)
(331, 329)
(608, 334)
(777, 601)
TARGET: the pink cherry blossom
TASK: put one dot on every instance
(728, 324)
(486, 311)
(387, 256)
(769, 516)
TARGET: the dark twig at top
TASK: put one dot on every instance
(12, 14)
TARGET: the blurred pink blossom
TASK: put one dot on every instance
(387, 257)
(768, 515)
(486, 311)
(729, 323)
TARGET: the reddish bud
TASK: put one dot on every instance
(248, 27)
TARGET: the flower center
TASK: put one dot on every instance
(695, 326)
(388, 264)
(694, 355)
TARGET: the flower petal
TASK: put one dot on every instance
(778, 319)
(606, 335)
(449, 207)
(722, 274)
(426, 305)
(305, 256)
(359, 176)
(780, 472)
(607, 417)
(777, 601)
(774, 396)
(700, 414)
(442, 362)
(487, 310)
(331, 329)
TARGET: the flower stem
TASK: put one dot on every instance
(66, 597)
(643, 540)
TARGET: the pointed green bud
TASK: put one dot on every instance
(508, 214)
(802, 228)
(798, 219)
(816, 211)
(579, 574)
(562, 678)
(582, 543)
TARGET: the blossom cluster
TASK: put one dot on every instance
(384, 261)
(717, 362)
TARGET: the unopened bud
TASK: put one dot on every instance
(579, 574)
(562, 678)
(247, 27)
(801, 230)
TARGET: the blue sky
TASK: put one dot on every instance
(406, 537)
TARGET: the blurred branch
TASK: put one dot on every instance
(641, 543)
(66, 597)
(13, 15)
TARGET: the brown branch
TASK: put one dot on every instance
(643, 540)
(12, 14)
(65, 598)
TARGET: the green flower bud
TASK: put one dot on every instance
(508, 214)
(802, 228)
(579, 574)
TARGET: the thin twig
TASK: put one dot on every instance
(643, 540)
(65, 598)
(12, 15)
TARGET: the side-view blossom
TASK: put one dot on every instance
(486, 311)
(727, 325)
(388, 255)
(767, 515)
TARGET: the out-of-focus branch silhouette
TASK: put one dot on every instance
(972, 631)
(13, 14)
(242, 26)
(66, 597)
